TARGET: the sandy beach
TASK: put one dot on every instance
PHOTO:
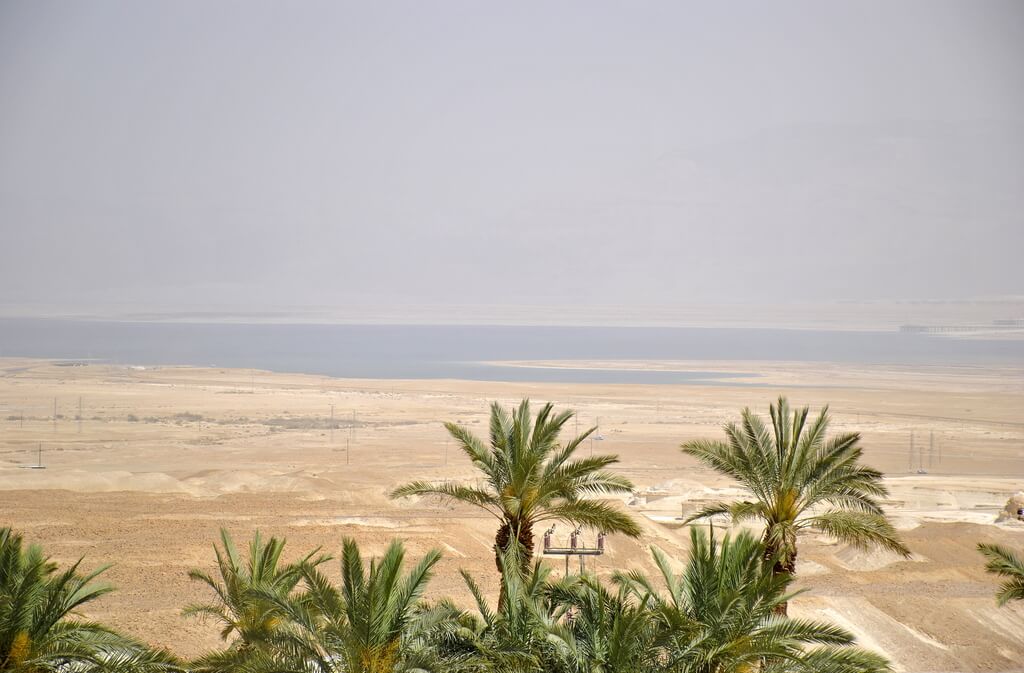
(159, 458)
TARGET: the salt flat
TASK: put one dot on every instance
(161, 458)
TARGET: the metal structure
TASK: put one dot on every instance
(576, 547)
(596, 435)
(39, 461)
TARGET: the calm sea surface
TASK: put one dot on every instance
(429, 352)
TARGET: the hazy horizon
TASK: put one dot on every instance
(260, 157)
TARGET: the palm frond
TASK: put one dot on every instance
(793, 470)
(594, 514)
(530, 477)
(37, 629)
(862, 529)
(1004, 563)
(452, 492)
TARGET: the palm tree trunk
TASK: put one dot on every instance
(503, 538)
(784, 564)
(525, 538)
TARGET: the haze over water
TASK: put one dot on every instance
(468, 352)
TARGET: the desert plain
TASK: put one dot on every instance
(141, 467)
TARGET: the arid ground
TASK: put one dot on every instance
(161, 458)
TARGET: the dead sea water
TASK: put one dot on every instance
(462, 352)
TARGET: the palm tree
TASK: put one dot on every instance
(360, 627)
(800, 479)
(608, 631)
(1004, 563)
(243, 593)
(720, 615)
(37, 629)
(531, 478)
(442, 637)
(523, 634)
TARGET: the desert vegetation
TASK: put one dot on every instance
(530, 478)
(717, 615)
(721, 609)
(38, 628)
(800, 479)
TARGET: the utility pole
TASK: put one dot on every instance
(332, 424)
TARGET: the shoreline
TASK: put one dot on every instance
(135, 409)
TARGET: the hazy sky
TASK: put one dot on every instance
(192, 154)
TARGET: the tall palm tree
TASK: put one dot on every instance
(1004, 563)
(530, 478)
(720, 615)
(243, 591)
(38, 630)
(800, 479)
(360, 627)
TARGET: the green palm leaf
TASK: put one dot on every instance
(530, 477)
(721, 614)
(800, 478)
(248, 594)
(364, 625)
(38, 631)
(1004, 563)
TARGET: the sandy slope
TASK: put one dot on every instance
(165, 457)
